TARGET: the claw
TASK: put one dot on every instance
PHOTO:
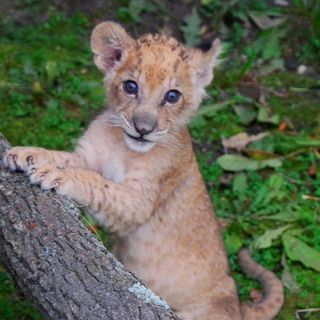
(6, 159)
(12, 161)
(29, 160)
(55, 184)
(31, 171)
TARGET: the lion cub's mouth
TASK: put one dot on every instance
(138, 144)
(140, 139)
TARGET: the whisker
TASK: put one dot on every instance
(126, 125)
(111, 119)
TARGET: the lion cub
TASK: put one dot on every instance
(136, 171)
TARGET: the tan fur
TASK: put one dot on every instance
(151, 194)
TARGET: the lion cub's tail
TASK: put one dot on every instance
(272, 299)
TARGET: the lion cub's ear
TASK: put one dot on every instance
(205, 62)
(108, 42)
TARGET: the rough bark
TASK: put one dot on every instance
(59, 265)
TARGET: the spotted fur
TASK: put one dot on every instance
(148, 189)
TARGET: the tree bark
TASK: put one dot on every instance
(59, 265)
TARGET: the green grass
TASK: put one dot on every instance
(12, 306)
(50, 89)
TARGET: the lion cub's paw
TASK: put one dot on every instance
(24, 158)
(49, 177)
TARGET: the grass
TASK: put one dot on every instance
(47, 78)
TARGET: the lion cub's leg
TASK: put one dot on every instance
(120, 206)
(30, 158)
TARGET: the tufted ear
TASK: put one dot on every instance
(108, 42)
(205, 62)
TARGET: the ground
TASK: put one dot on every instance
(266, 193)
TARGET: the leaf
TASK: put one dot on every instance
(209, 110)
(191, 29)
(297, 250)
(240, 184)
(261, 196)
(283, 143)
(292, 212)
(276, 181)
(233, 242)
(124, 15)
(265, 241)
(246, 115)
(287, 279)
(134, 10)
(240, 140)
(286, 216)
(263, 116)
(264, 21)
(270, 190)
(236, 163)
(259, 154)
(268, 44)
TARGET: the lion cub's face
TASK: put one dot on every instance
(153, 83)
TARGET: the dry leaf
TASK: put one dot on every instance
(241, 140)
(282, 126)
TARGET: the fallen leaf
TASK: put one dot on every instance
(241, 140)
(264, 21)
(286, 216)
(246, 115)
(264, 116)
(287, 278)
(265, 240)
(297, 250)
(282, 126)
(236, 163)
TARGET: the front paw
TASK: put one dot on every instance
(51, 177)
(47, 176)
(24, 158)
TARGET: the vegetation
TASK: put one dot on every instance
(257, 138)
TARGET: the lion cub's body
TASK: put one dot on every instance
(143, 181)
(178, 251)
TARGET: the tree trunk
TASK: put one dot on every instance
(59, 265)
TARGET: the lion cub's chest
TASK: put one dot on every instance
(114, 169)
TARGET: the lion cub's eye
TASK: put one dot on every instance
(172, 96)
(130, 87)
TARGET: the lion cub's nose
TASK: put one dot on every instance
(144, 124)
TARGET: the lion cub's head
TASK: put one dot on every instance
(154, 83)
